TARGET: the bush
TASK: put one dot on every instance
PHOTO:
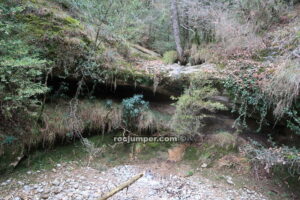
(273, 157)
(20, 68)
(170, 57)
(194, 106)
(243, 86)
(132, 109)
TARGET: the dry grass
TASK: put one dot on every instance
(61, 122)
(223, 140)
(196, 55)
(284, 87)
(147, 122)
(233, 36)
(98, 117)
(239, 163)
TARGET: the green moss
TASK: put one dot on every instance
(170, 57)
(153, 150)
(207, 153)
(48, 25)
(142, 56)
(71, 21)
(189, 173)
(192, 153)
(46, 159)
(37, 27)
(128, 76)
(153, 144)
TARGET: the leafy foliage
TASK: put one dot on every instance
(293, 122)
(257, 91)
(247, 95)
(20, 66)
(133, 108)
(194, 106)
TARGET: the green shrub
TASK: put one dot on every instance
(247, 96)
(20, 67)
(170, 57)
(21, 84)
(194, 106)
(132, 108)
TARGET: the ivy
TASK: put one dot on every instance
(293, 122)
(249, 99)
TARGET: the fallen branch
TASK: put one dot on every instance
(18, 161)
(146, 51)
(121, 187)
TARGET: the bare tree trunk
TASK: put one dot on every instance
(186, 32)
(176, 30)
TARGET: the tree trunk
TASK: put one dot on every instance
(186, 32)
(176, 30)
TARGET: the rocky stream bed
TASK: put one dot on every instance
(66, 182)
